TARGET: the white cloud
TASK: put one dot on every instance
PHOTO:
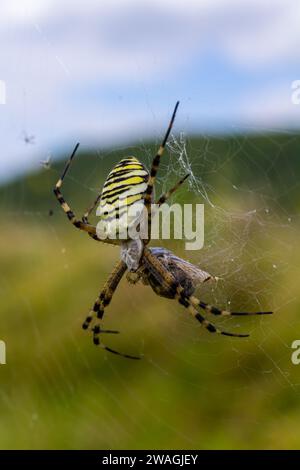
(267, 34)
(271, 107)
(109, 70)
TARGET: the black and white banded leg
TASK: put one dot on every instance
(102, 301)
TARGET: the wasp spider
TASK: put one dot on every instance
(169, 276)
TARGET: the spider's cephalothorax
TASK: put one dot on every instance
(127, 184)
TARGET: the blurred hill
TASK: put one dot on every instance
(270, 163)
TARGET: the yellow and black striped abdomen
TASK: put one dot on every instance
(125, 186)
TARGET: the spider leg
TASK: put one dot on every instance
(166, 195)
(105, 296)
(154, 168)
(127, 356)
(215, 311)
(80, 224)
(207, 324)
(167, 280)
(88, 213)
(90, 209)
(102, 301)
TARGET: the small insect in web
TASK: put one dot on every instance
(29, 139)
(46, 164)
(168, 275)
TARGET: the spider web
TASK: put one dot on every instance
(248, 244)
(244, 245)
(250, 241)
(250, 234)
(192, 389)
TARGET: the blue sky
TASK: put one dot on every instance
(109, 72)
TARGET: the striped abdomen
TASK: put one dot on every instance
(124, 188)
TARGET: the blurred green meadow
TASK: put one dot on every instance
(191, 390)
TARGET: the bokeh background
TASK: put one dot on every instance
(107, 74)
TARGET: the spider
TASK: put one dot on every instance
(169, 276)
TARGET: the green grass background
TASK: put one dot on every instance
(191, 390)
